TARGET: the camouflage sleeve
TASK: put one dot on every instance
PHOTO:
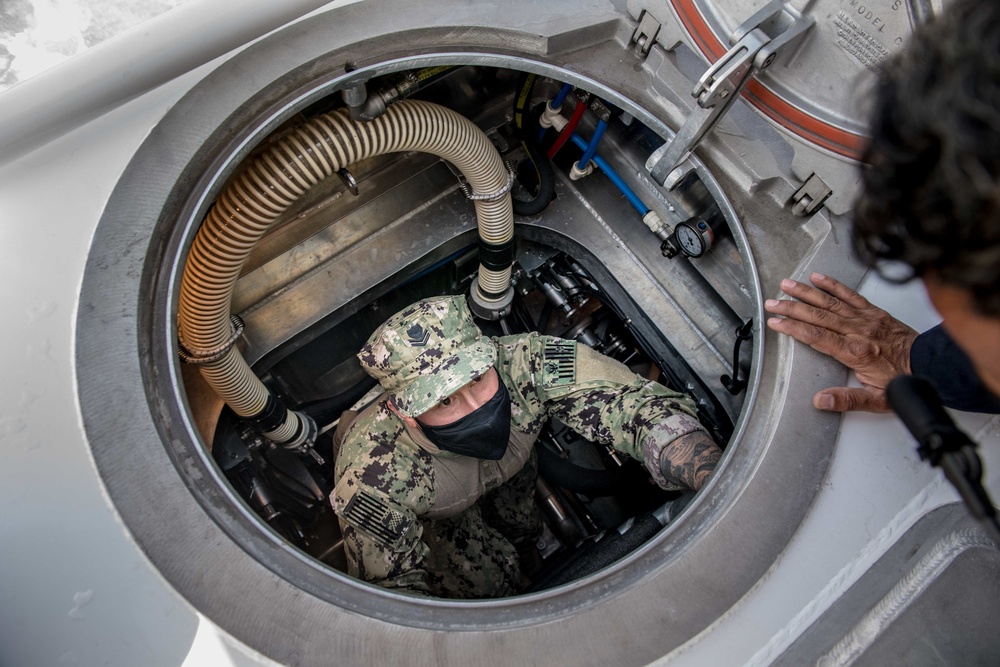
(605, 402)
(381, 491)
(382, 537)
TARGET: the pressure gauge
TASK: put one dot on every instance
(693, 237)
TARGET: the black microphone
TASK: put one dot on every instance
(918, 406)
(941, 443)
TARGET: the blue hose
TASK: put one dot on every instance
(561, 95)
(591, 149)
(609, 171)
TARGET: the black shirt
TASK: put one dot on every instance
(935, 356)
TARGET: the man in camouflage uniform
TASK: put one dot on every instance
(435, 479)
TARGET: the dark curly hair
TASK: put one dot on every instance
(931, 185)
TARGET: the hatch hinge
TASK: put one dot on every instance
(810, 197)
(775, 29)
(645, 33)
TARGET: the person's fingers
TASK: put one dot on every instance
(818, 338)
(840, 291)
(824, 300)
(803, 312)
(803, 292)
(848, 399)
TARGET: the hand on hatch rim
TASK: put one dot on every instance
(835, 320)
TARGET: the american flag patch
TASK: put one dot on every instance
(560, 362)
(376, 518)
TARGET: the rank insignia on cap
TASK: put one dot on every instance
(417, 336)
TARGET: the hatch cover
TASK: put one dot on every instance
(814, 92)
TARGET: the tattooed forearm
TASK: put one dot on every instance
(690, 459)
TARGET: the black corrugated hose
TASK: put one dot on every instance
(526, 130)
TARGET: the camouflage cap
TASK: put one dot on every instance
(427, 352)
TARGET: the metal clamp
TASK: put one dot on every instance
(489, 196)
(645, 33)
(189, 356)
(810, 197)
(347, 178)
(755, 46)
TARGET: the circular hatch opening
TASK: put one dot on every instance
(310, 295)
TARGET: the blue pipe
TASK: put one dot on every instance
(561, 95)
(591, 149)
(609, 171)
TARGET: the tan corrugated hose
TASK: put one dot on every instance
(282, 173)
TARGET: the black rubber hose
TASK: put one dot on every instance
(522, 98)
(546, 180)
(526, 129)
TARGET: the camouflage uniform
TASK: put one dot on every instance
(419, 519)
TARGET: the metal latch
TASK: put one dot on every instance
(645, 34)
(776, 28)
(810, 197)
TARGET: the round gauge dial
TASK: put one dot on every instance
(694, 237)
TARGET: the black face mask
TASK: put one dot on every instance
(483, 433)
